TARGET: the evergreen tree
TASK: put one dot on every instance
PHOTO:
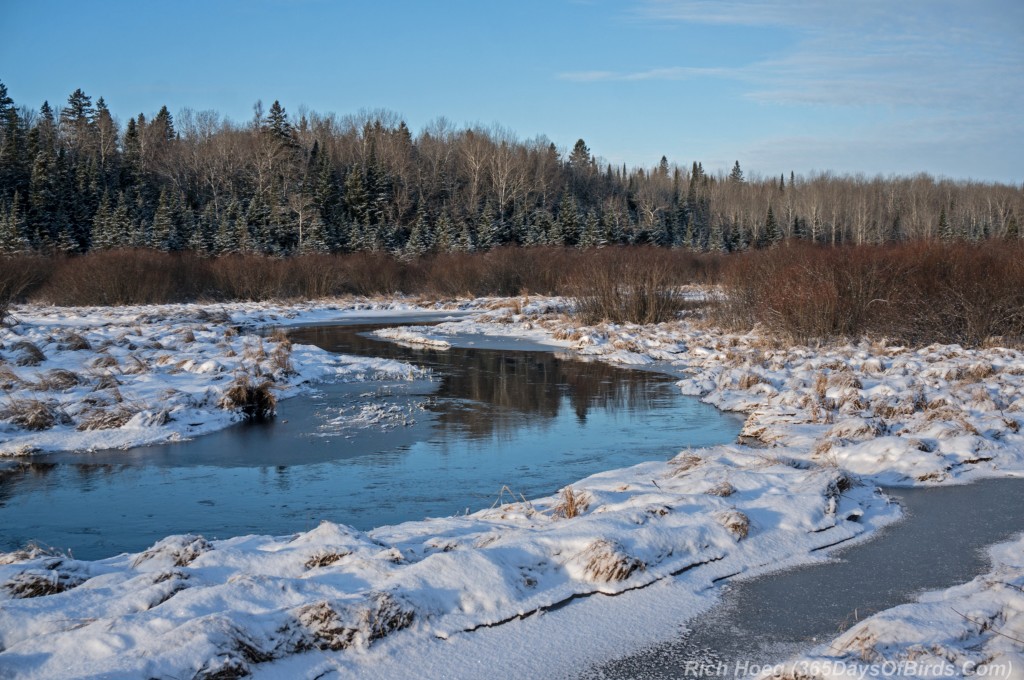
(945, 228)
(162, 232)
(163, 124)
(771, 233)
(487, 229)
(103, 237)
(315, 238)
(593, 232)
(12, 230)
(737, 174)
(465, 242)
(421, 237)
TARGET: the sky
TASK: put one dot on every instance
(847, 86)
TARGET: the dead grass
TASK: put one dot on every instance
(8, 378)
(30, 355)
(748, 380)
(607, 562)
(722, 489)
(684, 462)
(75, 342)
(57, 379)
(255, 401)
(325, 558)
(571, 503)
(737, 523)
(180, 550)
(41, 582)
(34, 414)
(106, 418)
(334, 627)
(103, 361)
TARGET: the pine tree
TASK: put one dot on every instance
(737, 174)
(421, 237)
(716, 238)
(163, 124)
(945, 228)
(12, 230)
(161, 234)
(593, 232)
(771, 234)
(315, 238)
(465, 242)
(487, 229)
(103, 237)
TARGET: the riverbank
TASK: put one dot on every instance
(824, 426)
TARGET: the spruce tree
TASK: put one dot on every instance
(12, 230)
(737, 174)
(487, 229)
(161, 233)
(315, 238)
(945, 228)
(772, 234)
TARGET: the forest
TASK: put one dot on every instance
(74, 179)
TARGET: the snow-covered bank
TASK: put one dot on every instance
(90, 378)
(971, 630)
(824, 425)
(193, 608)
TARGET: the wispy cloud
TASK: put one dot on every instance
(922, 53)
(669, 73)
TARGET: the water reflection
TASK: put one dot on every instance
(488, 418)
(500, 387)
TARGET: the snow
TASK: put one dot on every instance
(824, 426)
(129, 376)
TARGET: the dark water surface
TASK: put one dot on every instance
(488, 418)
(939, 543)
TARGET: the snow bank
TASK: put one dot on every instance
(188, 607)
(91, 378)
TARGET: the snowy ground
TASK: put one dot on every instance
(90, 378)
(824, 426)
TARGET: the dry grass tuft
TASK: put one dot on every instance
(34, 414)
(8, 378)
(254, 401)
(748, 380)
(337, 627)
(325, 558)
(187, 336)
(735, 522)
(606, 562)
(106, 419)
(281, 359)
(571, 503)
(723, 489)
(684, 462)
(103, 361)
(41, 582)
(31, 551)
(75, 342)
(57, 379)
(31, 355)
(182, 550)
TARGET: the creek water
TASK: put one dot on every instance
(365, 454)
(939, 543)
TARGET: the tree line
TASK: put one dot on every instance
(75, 179)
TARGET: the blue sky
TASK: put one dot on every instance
(872, 86)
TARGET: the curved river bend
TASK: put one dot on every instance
(489, 418)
